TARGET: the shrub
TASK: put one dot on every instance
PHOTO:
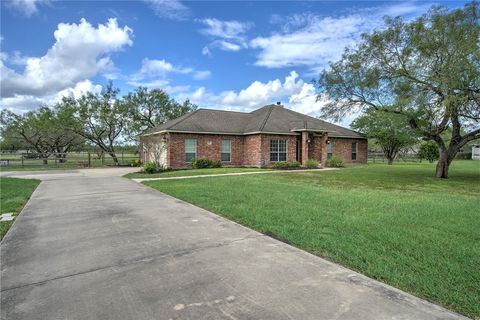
(335, 162)
(205, 163)
(136, 163)
(311, 164)
(151, 167)
(286, 164)
(429, 151)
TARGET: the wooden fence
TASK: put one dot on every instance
(87, 159)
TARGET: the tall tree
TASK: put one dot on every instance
(149, 108)
(44, 130)
(390, 130)
(99, 118)
(426, 70)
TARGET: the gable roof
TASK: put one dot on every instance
(269, 119)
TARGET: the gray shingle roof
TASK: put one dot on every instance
(269, 119)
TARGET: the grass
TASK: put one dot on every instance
(14, 194)
(191, 172)
(394, 223)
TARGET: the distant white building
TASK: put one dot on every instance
(476, 152)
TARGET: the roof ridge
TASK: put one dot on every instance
(222, 110)
(188, 116)
(266, 117)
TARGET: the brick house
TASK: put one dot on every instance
(255, 139)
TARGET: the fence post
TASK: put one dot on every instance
(103, 158)
(22, 159)
(123, 161)
(89, 159)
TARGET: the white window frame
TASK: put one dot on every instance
(223, 151)
(277, 152)
(330, 149)
(195, 153)
(356, 150)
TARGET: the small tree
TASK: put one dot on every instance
(99, 118)
(429, 150)
(426, 70)
(391, 132)
(148, 108)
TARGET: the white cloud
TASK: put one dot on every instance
(206, 52)
(170, 9)
(80, 52)
(255, 95)
(26, 7)
(202, 75)
(154, 73)
(226, 35)
(224, 29)
(25, 103)
(293, 92)
(80, 89)
(313, 40)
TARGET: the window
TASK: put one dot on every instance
(354, 151)
(226, 150)
(190, 150)
(278, 150)
(330, 149)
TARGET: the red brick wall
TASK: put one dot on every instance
(343, 148)
(208, 147)
(254, 150)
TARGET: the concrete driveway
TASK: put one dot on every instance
(92, 245)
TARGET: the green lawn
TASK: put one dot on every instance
(191, 172)
(14, 194)
(394, 223)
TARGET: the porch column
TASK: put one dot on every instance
(323, 149)
(304, 147)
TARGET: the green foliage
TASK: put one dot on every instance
(148, 108)
(429, 151)
(151, 167)
(286, 164)
(46, 131)
(335, 162)
(425, 69)
(391, 131)
(136, 163)
(205, 163)
(311, 164)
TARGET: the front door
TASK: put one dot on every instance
(298, 148)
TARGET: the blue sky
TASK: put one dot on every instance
(219, 54)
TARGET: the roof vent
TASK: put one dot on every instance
(279, 103)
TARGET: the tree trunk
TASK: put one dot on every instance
(442, 169)
(114, 157)
(390, 160)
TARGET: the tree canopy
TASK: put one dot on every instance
(390, 131)
(426, 70)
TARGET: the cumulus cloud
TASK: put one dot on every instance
(25, 103)
(170, 9)
(292, 90)
(226, 35)
(313, 40)
(26, 7)
(80, 51)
